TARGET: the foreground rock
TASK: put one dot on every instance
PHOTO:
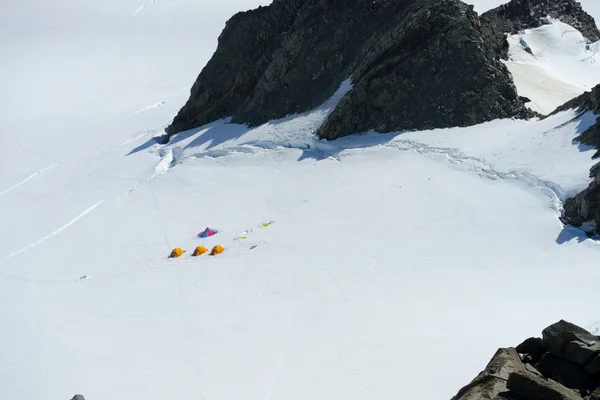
(415, 64)
(584, 209)
(562, 365)
(491, 382)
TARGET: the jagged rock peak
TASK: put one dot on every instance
(245, 49)
(415, 64)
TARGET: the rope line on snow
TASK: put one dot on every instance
(179, 297)
(162, 228)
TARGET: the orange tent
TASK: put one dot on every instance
(218, 249)
(177, 252)
(199, 251)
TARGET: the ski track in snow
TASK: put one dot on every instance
(140, 8)
(30, 177)
(128, 104)
(56, 232)
(137, 137)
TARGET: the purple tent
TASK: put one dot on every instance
(207, 233)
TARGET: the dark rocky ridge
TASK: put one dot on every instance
(562, 365)
(415, 64)
(430, 71)
(589, 101)
(518, 15)
(245, 49)
(585, 207)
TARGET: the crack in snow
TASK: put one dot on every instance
(324, 150)
(458, 159)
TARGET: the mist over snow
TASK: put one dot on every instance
(382, 256)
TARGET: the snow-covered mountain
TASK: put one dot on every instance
(384, 254)
(553, 64)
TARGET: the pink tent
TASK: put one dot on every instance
(208, 232)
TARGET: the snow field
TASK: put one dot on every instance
(390, 254)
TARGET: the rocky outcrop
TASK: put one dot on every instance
(491, 382)
(78, 397)
(430, 71)
(585, 207)
(415, 64)
(518, 15)
(245, 50)
(590, 101)
(562, 365)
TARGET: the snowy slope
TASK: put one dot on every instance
(363, 246)
(559, 64)
(80, 77)
(562, 65)
(371, 234)
(388, 253)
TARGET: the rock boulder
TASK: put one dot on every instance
(491, 382)
(530, 386)
(564, 365)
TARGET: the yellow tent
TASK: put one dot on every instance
(218, 249)
(199, 251)
(177, 252)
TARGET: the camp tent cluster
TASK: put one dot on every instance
(218, 249)
(198, 251)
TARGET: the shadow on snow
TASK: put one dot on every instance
(569, 233)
